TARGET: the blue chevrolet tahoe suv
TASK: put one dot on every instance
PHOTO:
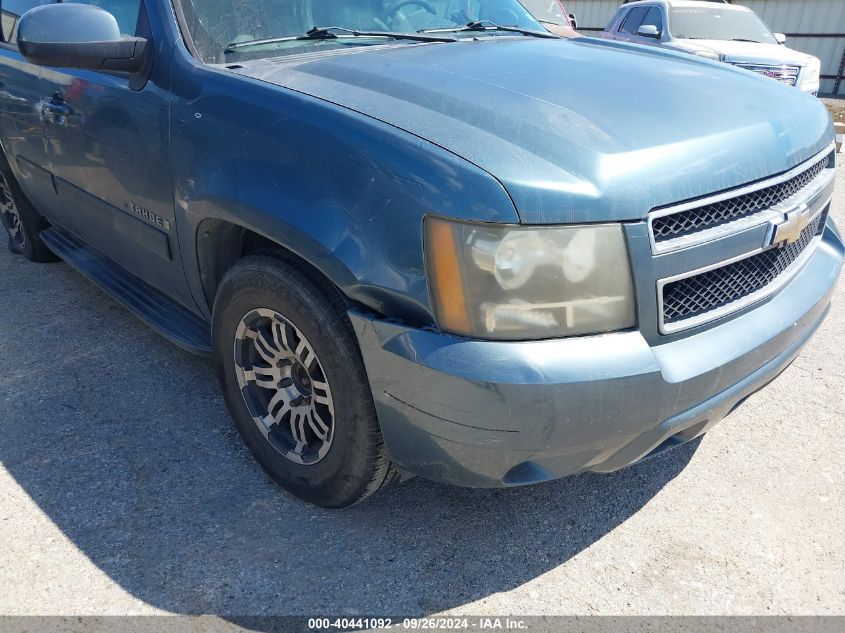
(423, 237)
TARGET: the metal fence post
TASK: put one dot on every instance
(839, 74)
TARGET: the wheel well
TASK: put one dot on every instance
(220, 244)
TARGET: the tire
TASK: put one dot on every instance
(289, 365)
(20, 219)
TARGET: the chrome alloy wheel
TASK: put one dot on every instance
(284, 386)
(10, 215)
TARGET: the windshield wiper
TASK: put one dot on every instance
(741, 39)
(330, 33)
(487, 25)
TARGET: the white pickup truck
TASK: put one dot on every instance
(716, 30)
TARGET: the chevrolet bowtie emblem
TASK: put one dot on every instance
(788, 229)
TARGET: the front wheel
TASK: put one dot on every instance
(292, 375)
(20, 219)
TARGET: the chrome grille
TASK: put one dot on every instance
(699, 294)
(684, 223)
(783, 74)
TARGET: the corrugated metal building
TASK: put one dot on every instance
(816, 27)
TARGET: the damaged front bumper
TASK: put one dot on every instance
(489, 414)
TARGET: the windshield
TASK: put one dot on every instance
(714, 23)
(213, 24)
(547, 11)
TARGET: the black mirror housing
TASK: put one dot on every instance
(125, 55)
(573, 20)
(78, 36)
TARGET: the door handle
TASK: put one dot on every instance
(57, 107)
(61, 109)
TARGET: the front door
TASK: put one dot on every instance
(108, 142)
(21, 124)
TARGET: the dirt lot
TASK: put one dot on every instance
(837, 109)
(125, 490)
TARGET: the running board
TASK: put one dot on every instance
(165, 316)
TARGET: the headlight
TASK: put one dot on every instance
(703, 52)
(810, 76)
(515, 283)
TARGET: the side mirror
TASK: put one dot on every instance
(78, 36)
(573, 20)
(781, 38)
(648, 30)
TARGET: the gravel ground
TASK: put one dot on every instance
(836, 107)
(125, 490)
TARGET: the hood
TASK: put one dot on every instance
(576, 130)
(775, 54)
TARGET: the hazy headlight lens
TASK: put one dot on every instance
(516, 283)
(812, 73)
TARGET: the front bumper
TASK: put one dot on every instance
(488, 414)
(810, 88)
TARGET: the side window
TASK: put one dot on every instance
(125, 12)
(654, 17)
(11, 12)
(633, 21)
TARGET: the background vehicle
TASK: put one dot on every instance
(719, 31)
(406, 244)
(553, 15)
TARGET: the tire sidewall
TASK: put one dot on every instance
(26, 248)
(31, 221)
(342, 476)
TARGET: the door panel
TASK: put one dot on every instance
(109, 150)
(21, 124)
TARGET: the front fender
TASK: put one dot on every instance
(345, 192)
